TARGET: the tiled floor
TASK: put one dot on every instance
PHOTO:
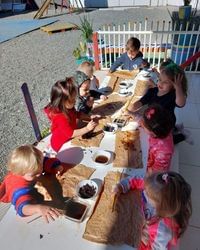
(189, 160)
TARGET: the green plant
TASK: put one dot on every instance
(77, 53)
(86, 27)
(83, 46)
(46, 131)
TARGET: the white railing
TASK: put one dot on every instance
(158, 42)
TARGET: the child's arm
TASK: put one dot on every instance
(133, 107)
(86, 117)
(156, 71)
(180, 95)
(83, 105)
(90, 126)
(117, 63)
(129, 183)
(52, 166)
(48, 213)
(97, 95)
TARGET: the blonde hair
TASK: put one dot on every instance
(87, 68)
(172, 195)
(25, 159)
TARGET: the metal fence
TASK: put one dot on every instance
(159, 41)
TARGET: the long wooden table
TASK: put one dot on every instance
(64, 234)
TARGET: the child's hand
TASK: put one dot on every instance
(59, 170)
(90, 101)
(126, 112)
(117, 189)
(178, 81)
(154, 69)
(95, 118)
(91, 125)
(48, 213)
(151, 83)
(103, 97)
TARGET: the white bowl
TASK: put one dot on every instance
(84, 183)
(75, 210)
(101, 157)
(113, 128)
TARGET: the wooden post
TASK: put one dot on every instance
(96, 50)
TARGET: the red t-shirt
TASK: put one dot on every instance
(62, 127)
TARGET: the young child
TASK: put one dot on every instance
(63, 116)
(158, 125)
(166, 205)
(84, 102)
(132, 58)
(25, 164)
(88, 68)
(170, 92)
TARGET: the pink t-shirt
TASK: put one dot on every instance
(160, 153)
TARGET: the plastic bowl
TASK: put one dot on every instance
(101, 157)
(87, 189)
(110, 128)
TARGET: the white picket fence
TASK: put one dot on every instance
(159, 41)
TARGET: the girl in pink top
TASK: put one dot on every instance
(158, 124)
(166, 206)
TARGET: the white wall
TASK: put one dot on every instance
(117, 3)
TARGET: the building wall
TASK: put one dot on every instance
(117, 3)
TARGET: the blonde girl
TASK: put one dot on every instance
(166, 205)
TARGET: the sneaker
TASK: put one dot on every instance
(188, 136)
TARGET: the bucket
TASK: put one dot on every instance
(177, 53)
(184, 12)
(187, 39)
(83, 59)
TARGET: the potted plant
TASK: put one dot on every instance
(80, 53)
(86, 28)
(77, 53)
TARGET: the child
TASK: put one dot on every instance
(166, 204)
(84, 101)
(63, 116)
(26, 163)
(88, 68)
(170, 92)
(157, 123)
(132, 58)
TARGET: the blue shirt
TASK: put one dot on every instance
(127, 63)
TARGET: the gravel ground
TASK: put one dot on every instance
(40, 60)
